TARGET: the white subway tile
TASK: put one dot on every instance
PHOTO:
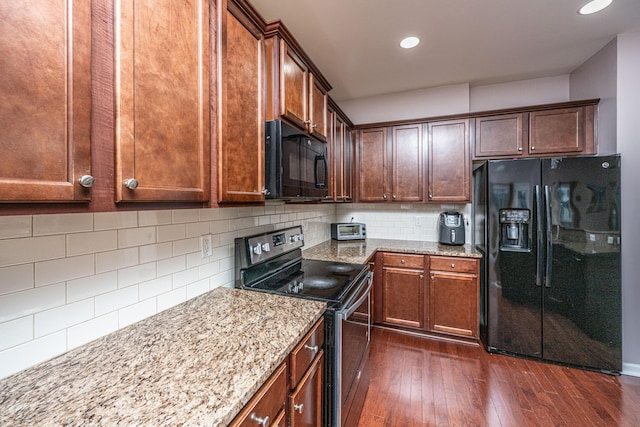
(136, 312)
(136, 274)
(208, 214)
(16, 278)
(15, 226)
(16, 332)
(209, 269)
(116, 300)
(185, 277)
(156, 252)
(89, 243)
(228, 213)
(114, 220)
(220, 226)
(171, 299)
(57, 270)
(228, 238)
(186, 246)
(129, 237)
(167, 233)
(195, 260)
(113, 260)
(23, 356)
(91, 286)
(185, 215)
(31, 249)
(62, 223)
(264, 220)
(197, 288)
(171, 265)
(226, 264)
(224, 278)
(90, 330)
(19, 304)
(146, 218)
(155, 287)
(197, 229)
(60, 318)
(223, 252)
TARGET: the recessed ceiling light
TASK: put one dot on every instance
(409, 42)
(594, 6)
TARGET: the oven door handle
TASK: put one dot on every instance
(349, 310)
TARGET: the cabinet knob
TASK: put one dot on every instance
(299, 408)
(86, 181)
(394, 197)
(402, 261)
(422, 276)
(265, 192)
(384, 196)
(533, 148)
(430, 196)
(308, 121)
(519, 148)
(264, 422)
(453, 265)
(131, 183)
(313, 349)
(315, 126)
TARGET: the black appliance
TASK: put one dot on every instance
(551, 284)
(451, 228)
(295, 164)
(272, 262)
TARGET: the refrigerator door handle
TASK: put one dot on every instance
(547, 205)
(539, 235)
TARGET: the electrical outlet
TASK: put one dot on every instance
(418, 221)
(206, 244)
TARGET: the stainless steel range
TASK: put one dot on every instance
(272, 262)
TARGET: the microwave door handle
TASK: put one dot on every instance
(315, 171)
(348, 311)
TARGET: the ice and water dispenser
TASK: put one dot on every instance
(514, 230)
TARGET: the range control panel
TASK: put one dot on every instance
(270, 245)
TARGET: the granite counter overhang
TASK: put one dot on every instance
(362, 251)
(197, 363)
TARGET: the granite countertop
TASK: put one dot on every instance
(197, 363)
(361, 251)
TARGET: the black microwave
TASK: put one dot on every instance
(295, 163)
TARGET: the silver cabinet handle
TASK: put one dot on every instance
(299, 408)
(86, 181)
(131, 183)
(453, 265)
(384, 196)
(261, 421)
(313, 349)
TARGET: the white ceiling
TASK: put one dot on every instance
(355, 43)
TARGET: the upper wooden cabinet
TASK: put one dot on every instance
(162, 101)
(391, 164)
(295, 89)
(340, 156)
(45, 100)
(240, 105)
(558, 129)
(449, 161)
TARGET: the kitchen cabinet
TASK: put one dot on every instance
(162, 101)
(449, 161)
(403, 293)
(454, 294)
(295, 89)
(45, 143)
(563, 130)
(501, 135)
(240, 112)
(391, 164)
(340, 155)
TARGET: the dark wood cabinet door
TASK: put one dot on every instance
(336, 156)
(403, 297)
(293, 86)
(162, 101)
(372, 163)
(45, 100)
(449, 161)
(501, 135)
(347, 164)
(240, 107)
(305, 402)
(562, 130)
(407, 163)
(317, 120)
(454, 304)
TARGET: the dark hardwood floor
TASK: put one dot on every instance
(418, 381)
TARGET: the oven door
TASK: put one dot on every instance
(353, 329)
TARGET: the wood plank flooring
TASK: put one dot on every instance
(418, 381)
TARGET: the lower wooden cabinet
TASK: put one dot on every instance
(305, 402)
(403, 290)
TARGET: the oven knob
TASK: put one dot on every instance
(257, 249)
(301, 237)
(266, 247)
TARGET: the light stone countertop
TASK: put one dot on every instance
(197, 363)
(361, 251)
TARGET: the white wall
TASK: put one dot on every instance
(597, 78)
(519, 93)
(629, 146)
(68, 279)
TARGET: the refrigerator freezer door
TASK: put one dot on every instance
(582, 296)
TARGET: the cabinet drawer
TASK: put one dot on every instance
(454, 264)
(269, 401)
(306, 351)
(403, 260)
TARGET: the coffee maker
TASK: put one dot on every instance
(451, 228)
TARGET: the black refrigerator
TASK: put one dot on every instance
(549, 230)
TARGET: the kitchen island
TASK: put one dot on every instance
(197, 363)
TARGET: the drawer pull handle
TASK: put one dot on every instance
(313, 349)
(453, 265)
(299, 408)
(261, 421)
